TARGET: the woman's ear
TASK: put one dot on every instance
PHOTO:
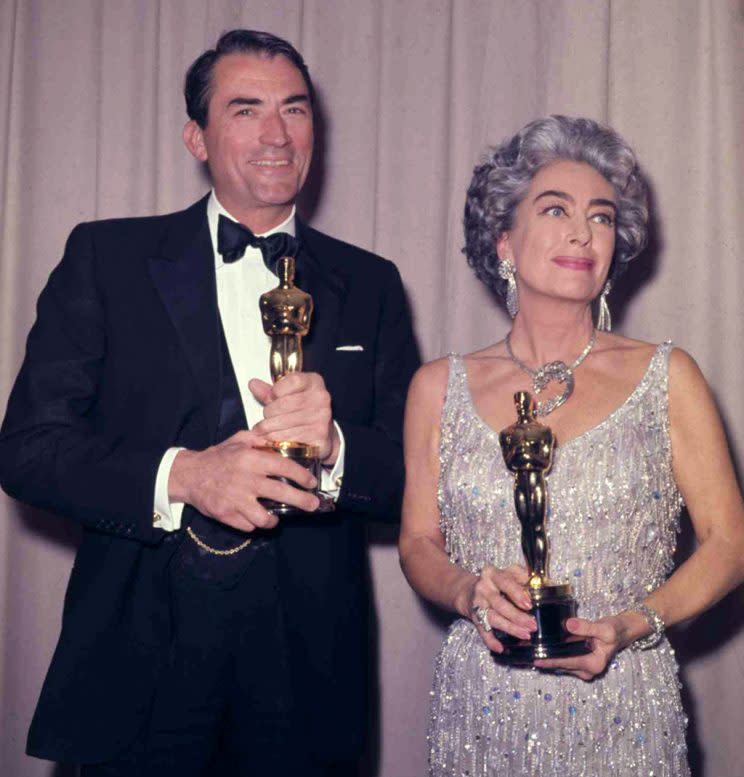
(503, 248)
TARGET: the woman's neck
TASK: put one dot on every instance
(553, 333)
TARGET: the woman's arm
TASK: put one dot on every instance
(705, 476)
(422, 554)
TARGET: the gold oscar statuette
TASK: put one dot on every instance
(285, 314)
(528, 448)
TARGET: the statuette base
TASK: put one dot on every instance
(306, 456)
(553, 605)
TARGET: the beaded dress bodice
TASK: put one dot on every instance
(614, 505)
(612, 523)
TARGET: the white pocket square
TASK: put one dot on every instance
(349, 347)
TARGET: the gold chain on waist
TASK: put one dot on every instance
(216, 551)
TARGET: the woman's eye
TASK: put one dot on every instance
(554, 210)
(603, 218)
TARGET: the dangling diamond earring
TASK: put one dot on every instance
(604, 319)
(508, 272)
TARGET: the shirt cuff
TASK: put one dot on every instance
(166, 515)
(331, 478)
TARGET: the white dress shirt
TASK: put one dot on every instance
(239, 285)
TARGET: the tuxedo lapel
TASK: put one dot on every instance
(184, 275)
(317, 275)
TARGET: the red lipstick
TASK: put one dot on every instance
(574, 262)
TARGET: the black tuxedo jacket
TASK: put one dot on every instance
(122, 362)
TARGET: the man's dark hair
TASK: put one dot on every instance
(198, 85)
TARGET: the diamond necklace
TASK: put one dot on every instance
(552, 371)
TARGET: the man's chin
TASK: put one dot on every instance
(277, 197)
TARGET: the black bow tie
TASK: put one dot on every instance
(232, 239)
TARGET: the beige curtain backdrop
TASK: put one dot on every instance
(412, 92)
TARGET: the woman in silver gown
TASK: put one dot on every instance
(552, 218)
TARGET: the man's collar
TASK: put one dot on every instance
(215, 209)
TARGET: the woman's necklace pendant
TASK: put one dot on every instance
(559, 372)
(552, 371)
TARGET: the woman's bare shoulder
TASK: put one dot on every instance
(487, 361)
(487, 354)
(686, 380)
(627, 345)
(429, 383)
(630, 356)
(680, 362)
(433, 372)
(625, 354)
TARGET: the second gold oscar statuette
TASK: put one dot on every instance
(528, 447)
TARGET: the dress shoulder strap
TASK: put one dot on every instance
(455, 402)
(456, 370)
(457, 385)
(657, 374)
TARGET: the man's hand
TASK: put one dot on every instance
(298, 407)
(226, 480)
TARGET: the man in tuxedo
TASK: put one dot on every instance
(201, 633)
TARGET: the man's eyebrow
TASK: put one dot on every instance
(293, 99)
(245, 101)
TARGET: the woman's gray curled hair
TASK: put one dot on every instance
(501, 181)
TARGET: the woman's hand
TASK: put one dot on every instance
(502, 593)
(607, 637)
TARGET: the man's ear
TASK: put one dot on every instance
(193, 139)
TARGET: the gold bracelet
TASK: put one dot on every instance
(216, 551)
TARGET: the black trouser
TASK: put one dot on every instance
(223, 703)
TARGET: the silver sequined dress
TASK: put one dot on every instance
(613, 520)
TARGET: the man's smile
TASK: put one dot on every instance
(270, 162)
